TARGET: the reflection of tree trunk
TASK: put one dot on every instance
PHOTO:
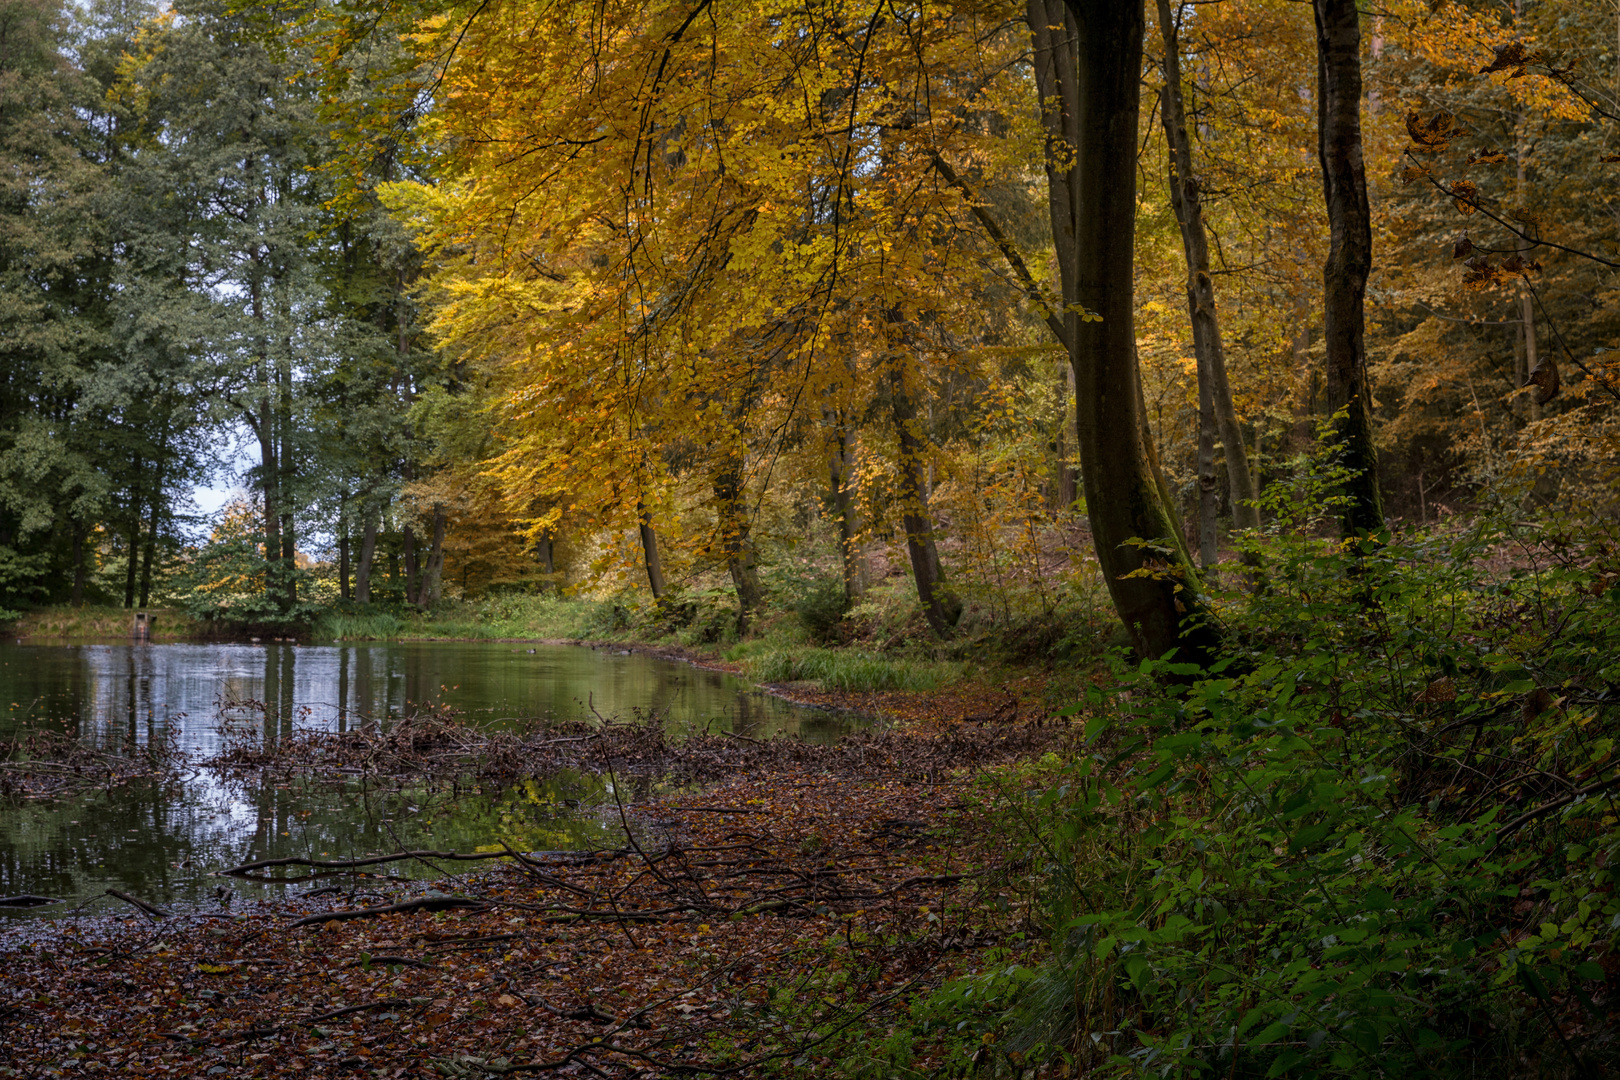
(649, 551)
(1096, 212)
(1344, 277)
(842, 490)
(1188, 207)
(368, 551)
(940, 605)
(735, 540)
(433, 576)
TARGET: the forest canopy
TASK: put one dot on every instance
(705, 305)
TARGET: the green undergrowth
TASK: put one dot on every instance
(497, 617)
(1379, 838)
(103, 622)
(848, 670)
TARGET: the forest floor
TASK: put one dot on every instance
(808, 892)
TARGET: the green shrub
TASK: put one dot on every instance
(1376, 841)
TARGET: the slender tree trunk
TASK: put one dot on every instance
(1067, 479)
(1539, 371)
(433, 575)
(408, 557)
(343, 546)
(1344, 277)
(649, 551)
(841, 487)
(1208, 497)
(368, 552)
(735, 540)
(1154, 588)
(134, 539)
(1207, 345)
(78, 563)
(545, 553)
(156, 512)
(941, 606)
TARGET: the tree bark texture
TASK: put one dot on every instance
(1344, 277)
(1207, 344)
(940, 606)
(368, 553)
(1155, 589)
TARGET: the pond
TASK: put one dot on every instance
(164, 841)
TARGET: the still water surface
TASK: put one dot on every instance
(163, 842)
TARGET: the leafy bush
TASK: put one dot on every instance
(231, 582)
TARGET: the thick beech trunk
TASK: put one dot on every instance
(433, 573)
(941, 606)
(1154, 588)
(1344, 277)
(1207, 345)
(368, 554)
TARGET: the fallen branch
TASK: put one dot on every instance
(426, 903)
(28, 900)
(150, 909)
(246, 869)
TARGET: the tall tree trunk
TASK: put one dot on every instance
(941, 606)
(1539, 371)
(1207, 345)
(134, 538)
(408, 557)
(368, 552)
(343, 545)
(735, 539)
(649, 551)
(1208, 496)
(1154, 588)
(1344, 277)
(78, 563)
(1067, 478)
(545, 552)
(433, 574)
(156, 512)
(841, 489)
